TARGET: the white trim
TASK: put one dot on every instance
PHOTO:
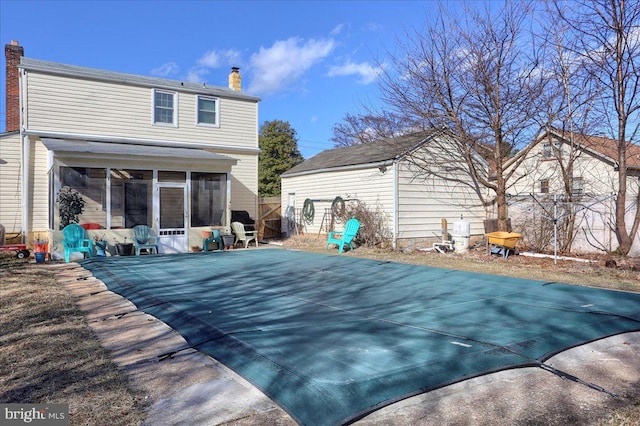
(217, 111)
(153, 107)
(138, 141)
(342, 168)
(396, 201)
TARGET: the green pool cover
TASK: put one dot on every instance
(332, 338)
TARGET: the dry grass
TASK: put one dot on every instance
(50, 355)
(625, 277)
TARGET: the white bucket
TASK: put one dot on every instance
(460, 235)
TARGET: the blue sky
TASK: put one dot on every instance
(311, 62)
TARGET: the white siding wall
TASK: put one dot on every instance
(423, 204)
(596, 210)
(367, 185)
(10, 181)
(63, 104)
(598, 176)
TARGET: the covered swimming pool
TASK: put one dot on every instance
(332, 338)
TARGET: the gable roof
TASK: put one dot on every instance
(382, 151)
(75, 71)
(606, 147)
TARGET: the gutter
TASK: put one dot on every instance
(139, 141)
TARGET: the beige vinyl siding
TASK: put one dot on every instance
(10, 182)
(244, 184)
(423, 204)
(38, 188)
(367, 185)
(70, 105)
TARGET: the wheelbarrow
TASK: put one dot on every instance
(502, 243)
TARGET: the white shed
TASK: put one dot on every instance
(384, 175)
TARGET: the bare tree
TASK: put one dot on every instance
(606, 36)
(365, 128)
(479, 77)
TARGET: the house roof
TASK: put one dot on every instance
(55, 68)
(384, 150)
(132, 151)
(604, 146)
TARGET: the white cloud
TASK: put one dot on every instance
(166, 69)
(285, 62)
(196, 75)
(337, 30)
(367, 72)
(217, 59)
(211, 59)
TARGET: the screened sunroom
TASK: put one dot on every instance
(175, 191)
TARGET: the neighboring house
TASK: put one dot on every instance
(173, 155)
(384, 176)
(594, 185)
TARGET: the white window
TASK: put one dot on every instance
(207, 110)
(549, 150)
(544, 186)
(578, 186)
(165, 107)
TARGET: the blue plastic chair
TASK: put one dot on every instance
(214, 238)
(75, 241)
(143, 239)
(342, 238)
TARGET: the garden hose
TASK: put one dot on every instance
(308, 211)
(337, 207)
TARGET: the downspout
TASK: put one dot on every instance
(25, 153)
(395, 205)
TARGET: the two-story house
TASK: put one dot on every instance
(173, 155)
(589, 167)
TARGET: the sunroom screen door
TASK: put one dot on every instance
(172, 218)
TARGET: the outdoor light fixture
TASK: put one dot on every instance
(382, 169)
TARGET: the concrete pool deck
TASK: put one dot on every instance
(192, 388)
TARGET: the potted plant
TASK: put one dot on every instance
(70, 205)
(124, 249)
(41, 248)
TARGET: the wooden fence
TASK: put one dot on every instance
(269, 217)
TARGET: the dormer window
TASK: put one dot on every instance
(165, 108)
(550, 150)
(207, 111)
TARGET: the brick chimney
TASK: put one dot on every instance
(13, 52)
(235, 80)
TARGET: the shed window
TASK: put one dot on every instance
(164, 107)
